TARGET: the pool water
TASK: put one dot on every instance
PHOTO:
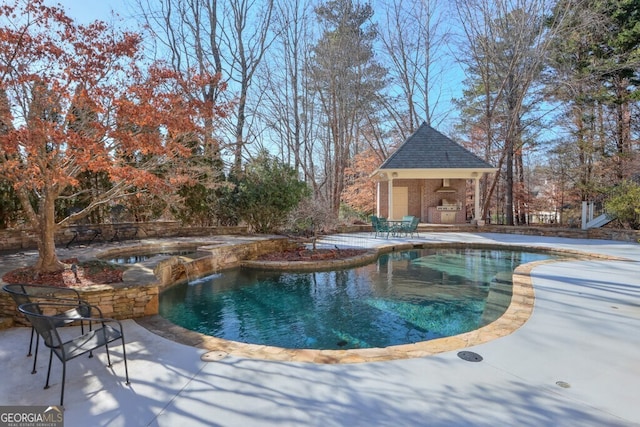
(404, 297)
(141, 257)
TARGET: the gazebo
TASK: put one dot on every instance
(426, 177)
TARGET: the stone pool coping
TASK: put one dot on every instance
(368, 256)
(516, 315)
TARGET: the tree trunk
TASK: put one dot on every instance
(623, 129)
(509, 180)
(522, 193)
(239, 144)
(47, 258)
(510, 143)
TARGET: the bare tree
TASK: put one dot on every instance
(228, 38)
(287, 110)
(347, 79)
(414, 39)
(247, 39)
(507, 45)
(187, 34)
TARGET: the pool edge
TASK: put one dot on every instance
(515, 316)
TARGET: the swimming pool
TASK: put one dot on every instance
(404, 297)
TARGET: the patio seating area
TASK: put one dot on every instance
(406, 227)
(27, 294)
(48, 326)
(572, 363)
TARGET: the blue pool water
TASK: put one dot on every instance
(404, 297)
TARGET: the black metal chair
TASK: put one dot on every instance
(46, 325)
(25, 294)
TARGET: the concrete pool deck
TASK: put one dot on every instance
(575, 362)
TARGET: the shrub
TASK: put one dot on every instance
(624, 204)
(310, 217)
(267, 192)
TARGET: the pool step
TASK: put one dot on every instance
(498, 299)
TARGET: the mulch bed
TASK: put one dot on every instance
(86, 274)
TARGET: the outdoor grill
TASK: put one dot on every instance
(448, 205)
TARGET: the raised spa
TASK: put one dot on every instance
(141, 257)
(404, 297)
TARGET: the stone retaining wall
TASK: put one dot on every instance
(27, 238)
(574, 233)
(122, 301)
(133, 299)
(178, 269)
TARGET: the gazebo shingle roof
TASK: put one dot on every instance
(429, 149)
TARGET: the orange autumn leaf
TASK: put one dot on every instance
(74, 99)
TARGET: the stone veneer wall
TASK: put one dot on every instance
(129, 300)
(121, 301)
(27, 238)
(574, 233)
(175, 270)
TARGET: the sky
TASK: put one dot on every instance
(86, 11)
